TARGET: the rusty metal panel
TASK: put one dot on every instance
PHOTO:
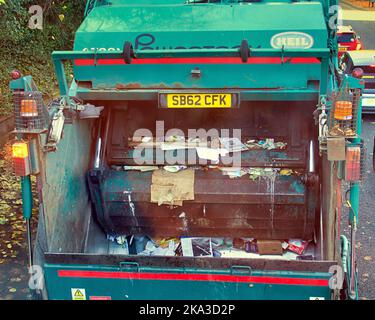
(222, 207)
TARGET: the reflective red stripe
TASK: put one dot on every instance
(202, 60)
(100, 298)
(191, 277)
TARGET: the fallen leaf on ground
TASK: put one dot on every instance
(368, 258)
(16, 279)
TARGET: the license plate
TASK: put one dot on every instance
(199, 100)
(342, 49)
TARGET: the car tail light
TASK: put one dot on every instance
(357, 73)
(359, 46)
(353, 164)
(21, 159)
(29, 108)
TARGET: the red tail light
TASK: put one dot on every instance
(357, 73)
(353, 164)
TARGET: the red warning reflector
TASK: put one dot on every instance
(353, 164)
(100, 298)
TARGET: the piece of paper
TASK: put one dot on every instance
(235, 253)
(167, 146)
(196, 247)
(211, 154)
(141, 168)
(175, 138)
(180, 145)
(172, 188)
(174, 169)
(90, 112)
(232, 144)
(146, 139)
(233, 172)
(165, 195)
(152, 250)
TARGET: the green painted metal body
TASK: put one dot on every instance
(25, 83)
(27, 197)
(197, 26)
(121, 285)
(174, 29)
(65, 197)
(355, 187)
(355, 197)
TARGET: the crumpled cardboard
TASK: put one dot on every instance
(172, 188)
(269, 247)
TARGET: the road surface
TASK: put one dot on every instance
(362, 21)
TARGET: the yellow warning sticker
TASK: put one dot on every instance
(78, 294)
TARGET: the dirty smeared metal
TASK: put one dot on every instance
(248, 208)
(64, 190)
(134, 85)
(196, 262)
(274, 207)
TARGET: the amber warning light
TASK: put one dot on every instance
(20, 150)
(21, 162)
(29, 108)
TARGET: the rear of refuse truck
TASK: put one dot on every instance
(188, 157)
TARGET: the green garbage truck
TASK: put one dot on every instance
(202, 149)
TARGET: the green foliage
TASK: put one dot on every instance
(29, 50)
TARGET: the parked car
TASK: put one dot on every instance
(365, 60)
(348, 40)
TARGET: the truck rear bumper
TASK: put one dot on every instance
(184, 278)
